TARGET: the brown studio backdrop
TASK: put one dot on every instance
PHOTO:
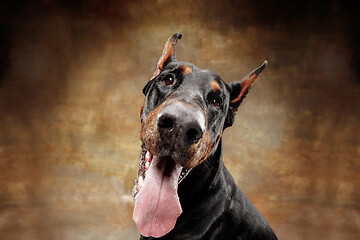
(70, 96)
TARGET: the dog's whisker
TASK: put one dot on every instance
(206, 164)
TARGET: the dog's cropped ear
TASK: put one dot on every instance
(239, 90)
(168, 53)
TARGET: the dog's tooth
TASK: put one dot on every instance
(147, 165)
(148, 156)
(140, 181)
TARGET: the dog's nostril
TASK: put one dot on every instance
(193, 135)
(166, 123)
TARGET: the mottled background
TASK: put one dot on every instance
(70, 94)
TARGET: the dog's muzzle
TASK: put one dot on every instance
(180, 125)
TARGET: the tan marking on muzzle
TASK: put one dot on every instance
(197, 153)
(202, 150)
(149, 128)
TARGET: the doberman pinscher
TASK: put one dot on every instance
(184, 191)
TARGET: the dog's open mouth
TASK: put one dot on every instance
(144, 165)
(157, 204)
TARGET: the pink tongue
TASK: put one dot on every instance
(157, 204)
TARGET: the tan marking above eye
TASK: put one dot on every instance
(214, 85)
(185, 69)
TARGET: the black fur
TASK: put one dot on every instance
(213, 206)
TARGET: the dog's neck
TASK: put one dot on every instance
(201, 179)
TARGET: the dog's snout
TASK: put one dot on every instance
(166, 123)
(194, 133)
(180, 126)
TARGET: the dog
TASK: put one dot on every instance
(183, 190)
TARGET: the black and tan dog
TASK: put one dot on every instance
(185, 112)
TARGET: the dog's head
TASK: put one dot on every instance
(185, 112)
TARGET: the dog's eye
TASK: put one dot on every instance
(215, 102)
(168, 80)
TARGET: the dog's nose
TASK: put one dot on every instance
(179, 126)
